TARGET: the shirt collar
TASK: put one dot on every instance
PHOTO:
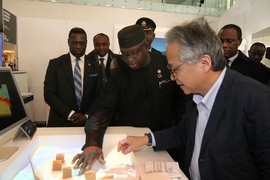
(73, 58)
(209, 99)
(234, 57)
(105, 57)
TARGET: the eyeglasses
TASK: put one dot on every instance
(173, 71)
(133, 54)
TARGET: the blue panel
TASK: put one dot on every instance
(159, 44)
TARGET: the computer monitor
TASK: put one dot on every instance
(12, 109)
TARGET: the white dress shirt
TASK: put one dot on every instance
(204, 106)
(105, 59)
(231, 59)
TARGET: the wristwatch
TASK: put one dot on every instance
(149, 139)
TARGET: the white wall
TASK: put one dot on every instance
(43, 29)
(252, 16)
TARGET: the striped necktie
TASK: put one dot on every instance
(103, 71)
(78, 82)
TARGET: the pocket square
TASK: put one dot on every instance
(93, 75)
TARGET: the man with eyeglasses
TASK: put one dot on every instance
(140, 91)
(69, 106)
(226, 127)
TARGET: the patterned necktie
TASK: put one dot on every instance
(78, 82)
(103, 71)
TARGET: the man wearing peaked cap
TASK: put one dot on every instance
(149, 27)
(139, 91)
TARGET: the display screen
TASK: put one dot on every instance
(12, 109)
(1, 48)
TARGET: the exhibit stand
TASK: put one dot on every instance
(74, 137)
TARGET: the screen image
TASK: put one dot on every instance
(5, 106)
(12, 109)
(1, 47)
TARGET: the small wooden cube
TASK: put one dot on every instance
(67, 172)
(108, 177)
(90, 175)
(60, 157)
(57, 165)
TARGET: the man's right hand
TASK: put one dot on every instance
(86, 159)
(78, 118)
(131, 143)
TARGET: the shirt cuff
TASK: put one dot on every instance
(70, 114)
(153, 139)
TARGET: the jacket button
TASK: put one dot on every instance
(202, 160)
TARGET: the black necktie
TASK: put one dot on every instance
(228, 62)
(103, 70)
(78, 82)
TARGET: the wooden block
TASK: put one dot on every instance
(57, 165)
(60, 157)
(90, 175)
(67, 172)
(108, 177)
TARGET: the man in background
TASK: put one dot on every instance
(257, 51)
(226, 125)
(149, 27)
(231, 38)
(102, 54)
(72, 82)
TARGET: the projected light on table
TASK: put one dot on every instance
(117, 164)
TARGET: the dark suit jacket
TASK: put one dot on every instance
(153, 50)
(59, 91)
(236, 140)
(251, 68)
(113, 62)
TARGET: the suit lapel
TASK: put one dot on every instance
(68, 69)
(87, 71)
(218, 109)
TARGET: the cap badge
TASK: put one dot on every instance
(143, 23)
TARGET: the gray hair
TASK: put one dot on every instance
(197, 38)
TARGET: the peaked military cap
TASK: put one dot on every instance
(146, 23)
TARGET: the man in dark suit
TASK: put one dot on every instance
(140, 90)
(102, 51)
(67, 109)
(226, 125)
(149, 27)
(231, 38)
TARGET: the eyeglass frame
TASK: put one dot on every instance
(174, 70)
(133, 54)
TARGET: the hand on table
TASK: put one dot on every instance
(131, 143)
(86, 159)
(78, 118)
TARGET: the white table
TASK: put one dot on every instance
(17, 161)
